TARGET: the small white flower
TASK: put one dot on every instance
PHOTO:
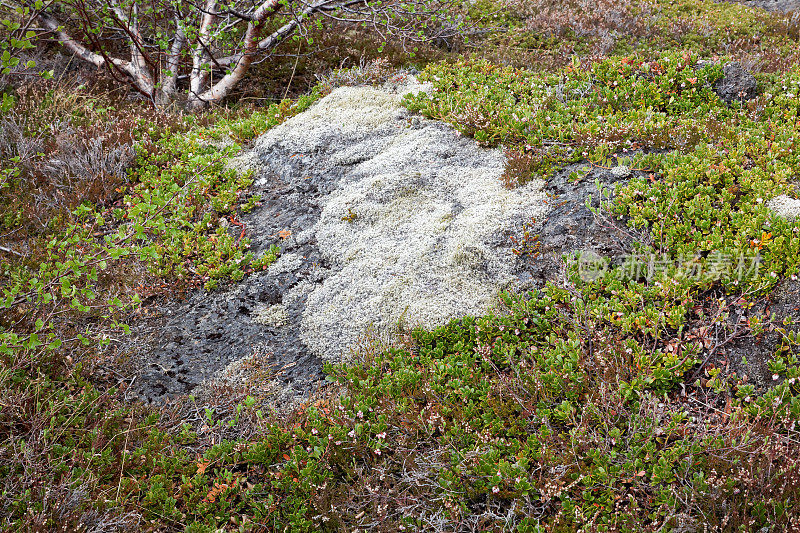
(352, 434)
(377, 451)
(495, 489)
(774, 377)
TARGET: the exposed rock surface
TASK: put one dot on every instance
(774, 5)
(383, 218)
(570, 225)
(736, 85)
(189, 342)
(413, 226)
(749, 356)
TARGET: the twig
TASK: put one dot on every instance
(294, 68)
(124, 453)
(9, 250)
(733, 336)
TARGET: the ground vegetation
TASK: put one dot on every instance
(613, 402)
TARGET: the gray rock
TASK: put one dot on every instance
(571, 227)
(784, 6)
(737, 85)
(381, 217)
(410, 214)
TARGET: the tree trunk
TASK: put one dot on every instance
(222, 88)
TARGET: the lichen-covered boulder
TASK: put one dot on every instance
(413, 223)
(384, 219)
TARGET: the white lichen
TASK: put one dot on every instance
(243, 163)
(286, 263)
(621, 171)
(274, 316)
(298, 292)
(785, 206)
(427, 243)
(346, 112)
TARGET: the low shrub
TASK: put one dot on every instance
(63, 300)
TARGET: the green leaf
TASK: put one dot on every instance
(33, 342)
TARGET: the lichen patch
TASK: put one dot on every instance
(273, 315)
(415, 224)
(785, 206)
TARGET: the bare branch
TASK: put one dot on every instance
(284, 31)
(248, 17)
(52, 25)
(139, 59)
(221, 89)
(158, 33)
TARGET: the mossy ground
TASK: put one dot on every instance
(599, 404)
